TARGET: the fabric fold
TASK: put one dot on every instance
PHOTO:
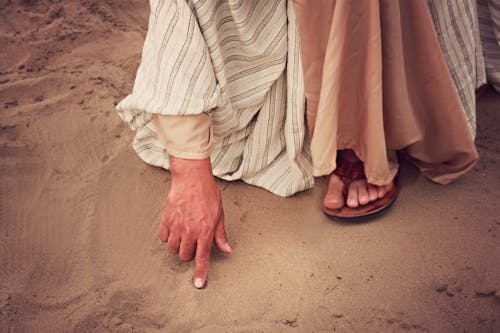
(384, 86)
(239, 62)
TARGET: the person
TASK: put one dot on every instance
(220, 92)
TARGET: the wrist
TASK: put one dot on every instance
(181, 167)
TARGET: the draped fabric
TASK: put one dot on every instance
(239, 61)
(376, 82)
(457, 28)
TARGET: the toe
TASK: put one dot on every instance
(363, 197)
(333, 202)
(372, 192)
(352, 195)
(383, 190)
(334, 198)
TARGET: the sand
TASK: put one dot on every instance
(79, 213)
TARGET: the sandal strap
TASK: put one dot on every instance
(349, 171)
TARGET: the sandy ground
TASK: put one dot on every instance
(79, 213)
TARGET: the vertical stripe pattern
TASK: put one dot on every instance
(237, 60)
(456, 25)
(489, 27)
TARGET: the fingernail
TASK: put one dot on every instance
(228, 248)
(198, 283)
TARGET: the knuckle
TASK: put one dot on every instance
(190, 229)
(187, 230)
(202, 262)
(204, 256)
(206, 231)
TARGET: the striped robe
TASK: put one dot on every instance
(489, 27)
(457, 28)
(239, 61)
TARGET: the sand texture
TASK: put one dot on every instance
(79, 213)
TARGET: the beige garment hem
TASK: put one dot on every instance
(186, 136)
(382, 83)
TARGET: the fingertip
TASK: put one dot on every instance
(223, 246)
(199, 283)
(202, 260)
(227, 248)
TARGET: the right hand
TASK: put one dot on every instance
(193, 216)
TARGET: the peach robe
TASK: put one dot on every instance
(376, 81)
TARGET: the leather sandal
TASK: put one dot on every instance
(349, 171)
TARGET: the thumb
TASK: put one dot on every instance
(220, 236)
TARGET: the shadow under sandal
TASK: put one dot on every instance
(349, 171)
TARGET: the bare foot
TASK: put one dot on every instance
(334, 198)
(359, 192)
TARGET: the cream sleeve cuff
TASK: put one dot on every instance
(188, 137)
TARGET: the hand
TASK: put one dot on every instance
(193, 217)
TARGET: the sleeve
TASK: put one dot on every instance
(188, 137)
(176, 75)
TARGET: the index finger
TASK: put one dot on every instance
(201, 262)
